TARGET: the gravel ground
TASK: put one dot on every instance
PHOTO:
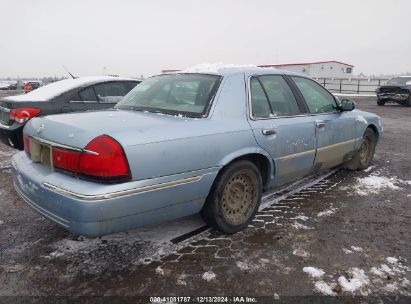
(339, 234)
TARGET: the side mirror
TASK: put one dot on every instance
(347, 105)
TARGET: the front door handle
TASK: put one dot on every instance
(269, 131)
(320, 124)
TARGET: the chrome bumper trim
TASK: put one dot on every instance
(128, 192)
(347, 142)
(300, 154)
(57, 145)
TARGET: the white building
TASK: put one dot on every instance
(320, 69)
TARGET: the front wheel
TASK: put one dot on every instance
(363, 157)
(408, 102)
(234, 198)
(380, 102)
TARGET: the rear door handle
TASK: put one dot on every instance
(320, 124)
(269, 131)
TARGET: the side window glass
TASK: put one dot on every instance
(281, 98)
(110, 92)
(88, 94)
(130, 85)
(259, 103)
(317, 98)
(74, 97)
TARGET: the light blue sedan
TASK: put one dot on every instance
(184, 143)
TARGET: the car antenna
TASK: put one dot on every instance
(69, 72)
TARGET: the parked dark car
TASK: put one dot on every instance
(397, 89)
(31, 85)
(69, 95)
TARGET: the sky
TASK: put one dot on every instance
(143, 37)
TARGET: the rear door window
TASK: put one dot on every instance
(111, 92)
(88, 94)
(271, 96)
(259, 103)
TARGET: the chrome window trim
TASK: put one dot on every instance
(250, 108)
(123, 193)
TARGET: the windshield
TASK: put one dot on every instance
(400, 81)
(178, 94)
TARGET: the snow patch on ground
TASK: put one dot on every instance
(324, 288)
(301, 253)
(160, 270)
(358, 280)
(298, 225)
(209, 276)
(314, 272)
(373, 184)
(357, 249)
(327, 212)
(378, 272)
(346, 251)
(242, 265)
(369, 169)
(355, 281)
(301, 217)
(391, 287)
(181, 280)
(392, 260)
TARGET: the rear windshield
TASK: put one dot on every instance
(176, 94)
(400, 81)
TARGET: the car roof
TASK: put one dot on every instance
(54, 89)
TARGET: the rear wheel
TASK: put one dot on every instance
(363, 157)
(380, 102)
(234, 198)
(408, 102)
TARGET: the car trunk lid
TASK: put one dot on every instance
(78, 129)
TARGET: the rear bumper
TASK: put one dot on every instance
(12, 136)
(93, 209)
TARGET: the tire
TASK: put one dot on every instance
(234, 197)
(363, 157)
(380, 102)
(408, 102)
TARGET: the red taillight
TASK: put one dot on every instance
(26, 142)
(21, 115)
(66, 159)
(103, 159)
(106, 160)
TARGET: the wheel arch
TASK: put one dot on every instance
(375, 130)
(258, 157)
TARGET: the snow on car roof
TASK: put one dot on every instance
(227, 69)
(214, 68)
(59, 87)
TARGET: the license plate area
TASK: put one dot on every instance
(4, 116)
(41, 153)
